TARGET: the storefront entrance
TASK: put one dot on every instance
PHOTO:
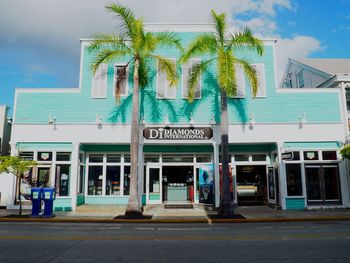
(251, 184)
(169, 184)
(322, 184)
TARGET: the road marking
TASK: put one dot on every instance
(184, 229)
(264, 227)
(144, 228)
(291, 227)
(108, 228)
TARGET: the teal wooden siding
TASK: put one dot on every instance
(277, 107)
(312, 145)
(103, 200)
(295, 203)
(80, 199)
(46, 146)
(63, 204)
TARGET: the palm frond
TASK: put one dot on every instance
(168, 66)
(219, 21)
(139, 35)
(102, 40)
(203, 44)
(143, 72)
(106, 56)
(168, 39)
(246, 38)
(127, 19)
(251, 73)
(226, 72)
(195, 76)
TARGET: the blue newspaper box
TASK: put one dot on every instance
(48, 197)
(36, 197)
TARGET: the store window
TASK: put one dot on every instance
(294, 183)
(80, 186)
(113, 158)
(310, 155)
(63, 156)
(62, 179)
(126, 180)
(329, 155)
(96, 158)
(95, 180)
(241, 157)
(167, 158)
(151, 158)
(203, 158)
(44, 156)
(113, 180)
(28, 156)
(259, 157)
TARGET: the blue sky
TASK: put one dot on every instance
(39, 44)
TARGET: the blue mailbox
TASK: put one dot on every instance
(36, 197)
(48, 197)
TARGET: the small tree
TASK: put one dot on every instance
(345, 152)
(16, 166)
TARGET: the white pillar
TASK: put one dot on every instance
(140, 172)
(216, 174)
(282, 176)
(10, 204)
(74, 174)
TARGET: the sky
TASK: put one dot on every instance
(40, 48)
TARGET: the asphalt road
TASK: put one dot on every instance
(273, 242)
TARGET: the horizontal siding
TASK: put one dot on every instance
(295, 203)
(78, 107)
(122, 200)
(312, 145)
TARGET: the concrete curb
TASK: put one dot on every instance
(178, 221)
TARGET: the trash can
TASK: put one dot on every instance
(48, 197)
(36, 197)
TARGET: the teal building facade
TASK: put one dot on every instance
(284, 143)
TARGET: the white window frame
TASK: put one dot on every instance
(99, 85)
(260, 71)
(240, 88)
(299, 76)
(115, 79)
(184, 80)
(167, 87)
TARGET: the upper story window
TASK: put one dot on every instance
(240, 82)
(164, 90)
(300, 79)
(121, 72)
(288, 81)
(186, 72)
(260, 71)
(99, 83)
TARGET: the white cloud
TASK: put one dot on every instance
(296, 47)
(52, 28)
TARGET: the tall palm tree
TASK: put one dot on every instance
(221, 46)
(139, 47)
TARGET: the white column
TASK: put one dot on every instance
(74, 174)
(282, 176)
(12, 194)
(344, 110)
(216, 174)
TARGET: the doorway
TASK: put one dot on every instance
(251, 184)
(322, 184)
(177, 184)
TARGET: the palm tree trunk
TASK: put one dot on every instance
(133, 208)
(226, 208)
(19, 192)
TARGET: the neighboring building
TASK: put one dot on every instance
(81, 138)
(5, 131)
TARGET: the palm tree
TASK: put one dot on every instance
(138, 46)
(221, 46)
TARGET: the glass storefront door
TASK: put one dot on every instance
(153, 185)
(322, 184)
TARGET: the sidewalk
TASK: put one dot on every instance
(158, 214)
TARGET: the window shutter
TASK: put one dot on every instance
(260, 70)
(121, 72)
(164, 90)
(99, 82)
(240, 82)
(186, 69)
